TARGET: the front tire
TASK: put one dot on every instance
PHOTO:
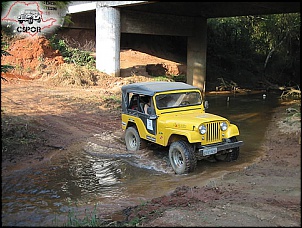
(230, 156)
(182, 157)
(133, 140)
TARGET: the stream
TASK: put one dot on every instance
(99, 174)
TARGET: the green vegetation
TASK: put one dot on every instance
(90, 219)
(72, 55)
(5, 67)
(255, 49)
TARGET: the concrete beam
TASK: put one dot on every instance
(196, 54)
(121, 3)
(155, 24)
(108, 36)
(82, 6)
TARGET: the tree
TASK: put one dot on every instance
(5, 67)
(265, 47)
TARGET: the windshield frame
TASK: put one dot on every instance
(178, 99)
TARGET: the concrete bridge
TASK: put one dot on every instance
(189, 19)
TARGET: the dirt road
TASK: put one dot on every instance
(267, 193)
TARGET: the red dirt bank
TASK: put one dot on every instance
(31, 53)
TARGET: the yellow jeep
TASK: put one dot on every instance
(176, 118)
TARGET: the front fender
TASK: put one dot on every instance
(173, 134)
(232, 131)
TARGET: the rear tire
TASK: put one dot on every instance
(230, 156)
(182, 157)
(133, 140)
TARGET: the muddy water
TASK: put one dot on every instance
(99, 174)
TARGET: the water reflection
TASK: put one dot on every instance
(101, 171)
(251, 113)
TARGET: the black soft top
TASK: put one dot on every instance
(150, 88)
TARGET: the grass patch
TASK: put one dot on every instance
(19, 136)
(16, 130)
(90, 219)
(74, 75)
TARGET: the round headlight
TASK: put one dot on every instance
(202, 129)
(223, 126)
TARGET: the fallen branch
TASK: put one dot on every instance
(291, 92)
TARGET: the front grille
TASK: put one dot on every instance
(213, 134)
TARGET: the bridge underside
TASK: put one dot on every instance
(217, 9)
(186, 19)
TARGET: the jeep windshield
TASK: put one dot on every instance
(175, 100)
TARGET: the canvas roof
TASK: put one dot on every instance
(150, 88)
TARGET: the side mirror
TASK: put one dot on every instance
(206, 104)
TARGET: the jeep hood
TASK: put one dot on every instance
(188, 120)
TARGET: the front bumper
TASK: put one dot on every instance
(213, 149)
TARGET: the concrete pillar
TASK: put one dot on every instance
(196, 54)
(108, 33)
